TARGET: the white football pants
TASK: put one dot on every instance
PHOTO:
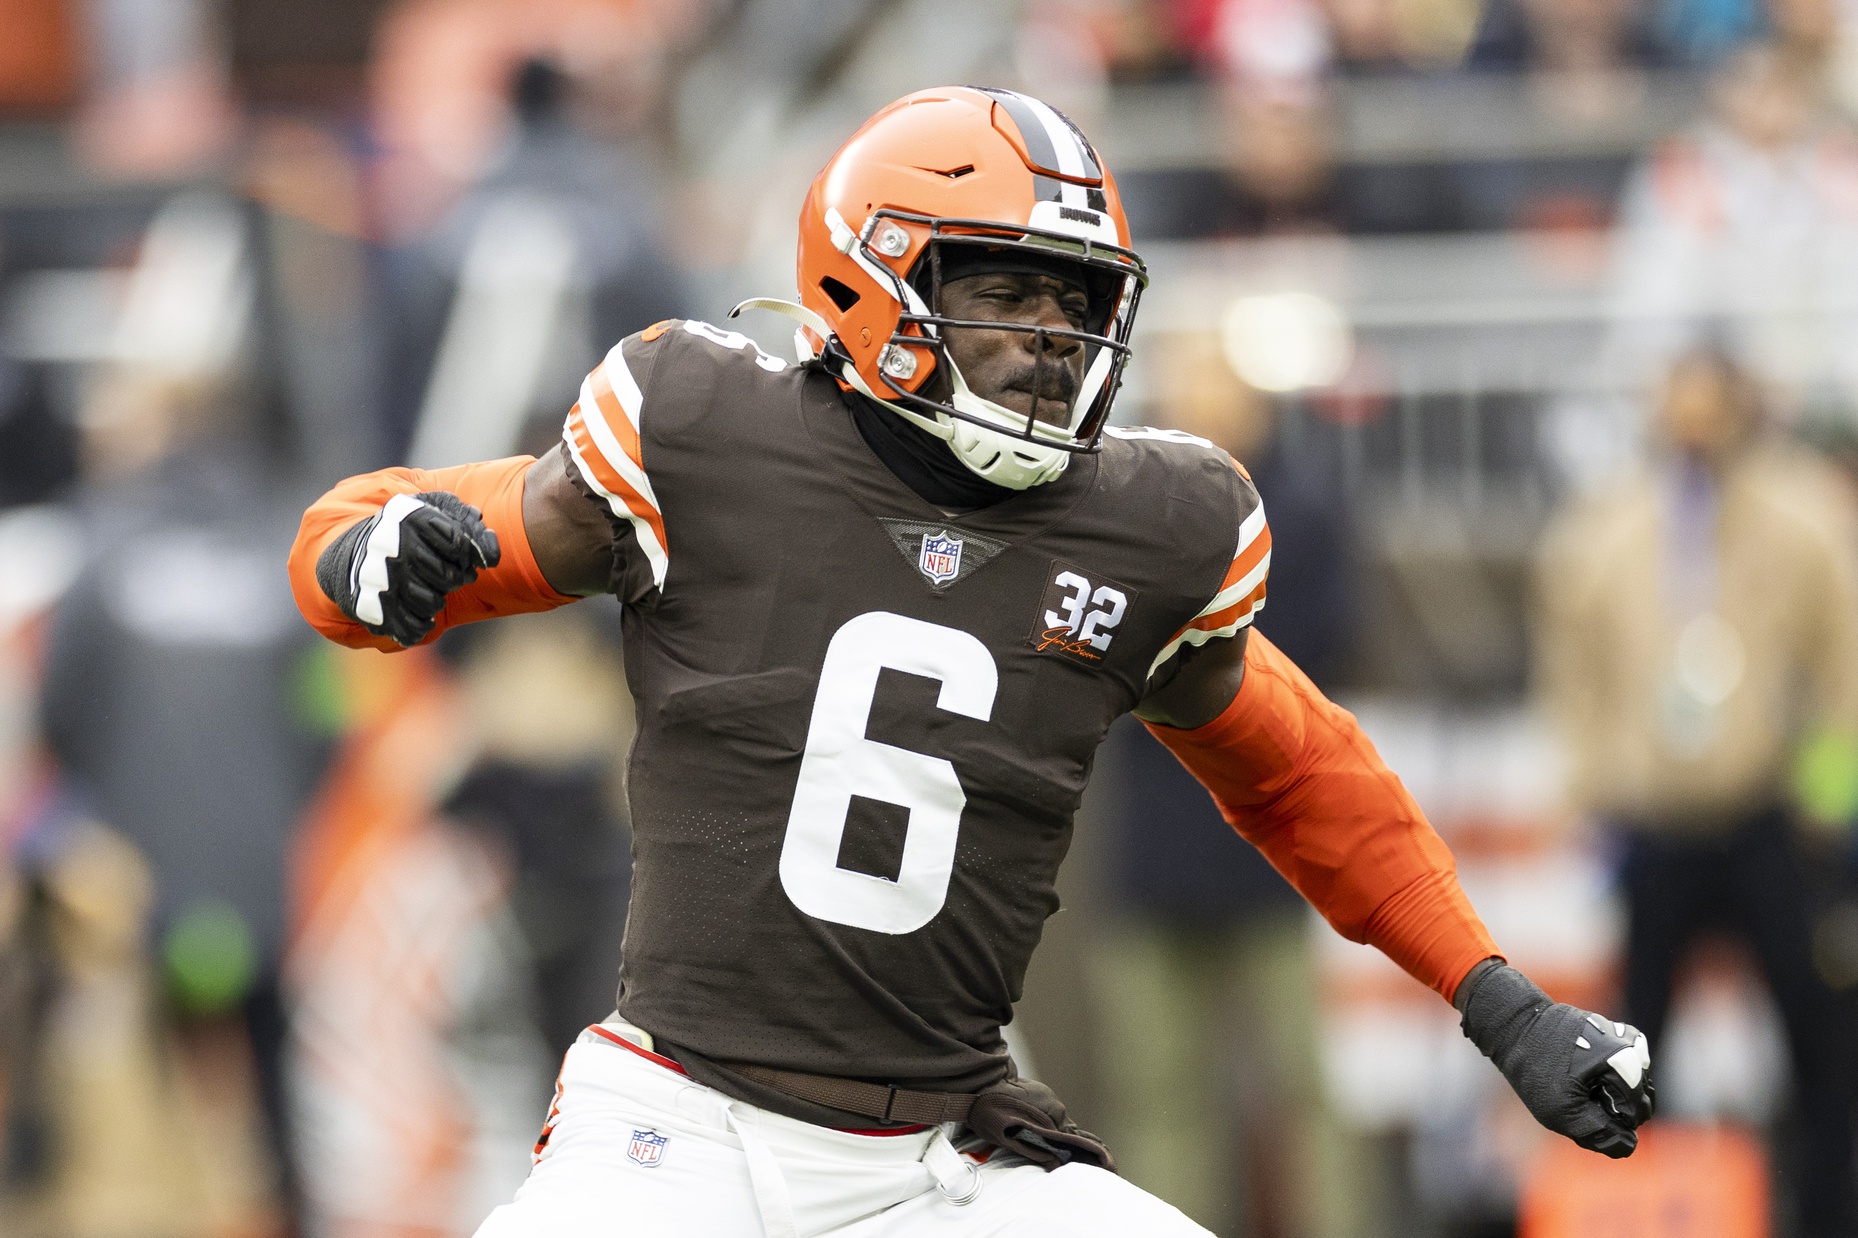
(636, 1149)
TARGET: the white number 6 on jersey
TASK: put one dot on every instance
(840, 763)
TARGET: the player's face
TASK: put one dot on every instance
(1013, 368)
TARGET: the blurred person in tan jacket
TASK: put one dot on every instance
(1699, 629)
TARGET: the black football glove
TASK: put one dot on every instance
(391, 572)
(1581, 1075)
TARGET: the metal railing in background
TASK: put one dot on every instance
(1474, 393)
(1452, 117)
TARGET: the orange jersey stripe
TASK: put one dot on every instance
(1248, 558)
(616, 419)
(1238, 610)
(609, 477)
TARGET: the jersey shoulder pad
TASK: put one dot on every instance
(604, 438)
(1191, 469)
(731, 346)
(649, 392)
(1211, 507)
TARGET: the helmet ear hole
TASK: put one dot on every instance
(842, 296)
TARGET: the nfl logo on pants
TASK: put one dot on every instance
(647, 1148)
(941, 557)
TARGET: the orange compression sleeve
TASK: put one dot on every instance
(1294, 775)
(515, 586)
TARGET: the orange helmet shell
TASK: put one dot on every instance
(950, 153)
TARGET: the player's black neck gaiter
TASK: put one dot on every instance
(920, 460)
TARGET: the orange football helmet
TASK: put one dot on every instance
(977, 168)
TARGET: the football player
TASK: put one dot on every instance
(880, 607)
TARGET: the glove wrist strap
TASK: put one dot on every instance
(338, 563)
(1499, 1007)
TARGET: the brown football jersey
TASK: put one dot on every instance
(864, 725)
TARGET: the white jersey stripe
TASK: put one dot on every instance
(1232, 593)
(609, 445)
(1250, 528)
(1200, 636)
(648, 540)
(619, 375)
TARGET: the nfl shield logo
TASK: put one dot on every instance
(647, 1148)
(941, 557)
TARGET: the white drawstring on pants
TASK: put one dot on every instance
(959, 1180)
(764, 1174)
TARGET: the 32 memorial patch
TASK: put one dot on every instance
(1078, 615)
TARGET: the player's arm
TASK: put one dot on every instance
(390, 559)
(1295, 775)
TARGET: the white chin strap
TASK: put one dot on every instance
(1002, 456)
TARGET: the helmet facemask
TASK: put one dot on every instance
(1010, 448)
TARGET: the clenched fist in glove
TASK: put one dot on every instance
(1581, 1075)
(391, 572)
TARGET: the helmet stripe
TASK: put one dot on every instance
(1037, 138)
(1051, 142)
(1074, 157)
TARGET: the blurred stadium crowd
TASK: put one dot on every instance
(1535, 320)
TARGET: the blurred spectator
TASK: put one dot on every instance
(39, 67)
(1698, 627)
(283, 55)
(159, 104)
(1122, 40)
(319, 295)
(416, 1075)
(1749, 220)
(1573, 37)
(170, 697)
(441, 75)
(1582, 63)
(1701, 32)
(1274, 45)
(1397, 36)
(1242, 37)
(1213, 1096)
(545, 796)
(1812, 31)
(113, 1124)
(459, 891)
(1277, 172)
(40, 450)
(549, 259)
(171, 694)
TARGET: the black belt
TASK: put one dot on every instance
(872, 1100)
